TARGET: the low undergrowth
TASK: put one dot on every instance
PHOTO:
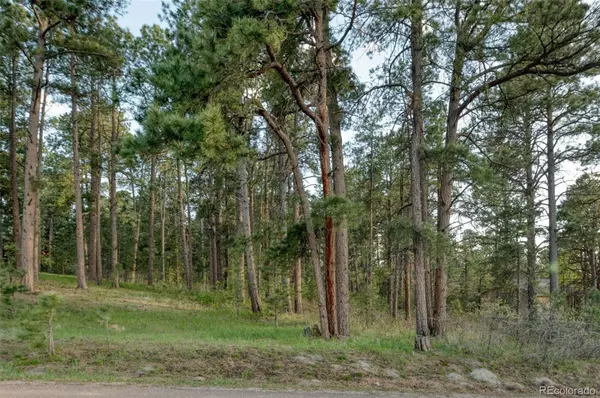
(168, 336)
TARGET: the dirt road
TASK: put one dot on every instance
(58, 390)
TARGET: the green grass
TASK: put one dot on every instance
(165, 335)
(145, 315)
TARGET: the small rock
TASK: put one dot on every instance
(199, 378)
(485, 376)
(315, 357)
(148, 368)
(336, 367)
(544, 381)
(365, 366)
(310, 383)
(37, 371)
(513, 386)
(301, 359)
(392, 373)
(456, 377)
(308, 359)
(139, 373)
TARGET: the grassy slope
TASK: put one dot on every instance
(167, 337)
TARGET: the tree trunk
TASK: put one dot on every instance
(183, 228)
(211, 242)
(407, 285)
(95, 166)
(341, 232)
(594, 268)
(163, 217)
(98, 200)
(396, 286)
(283, 187)
(14, 141)
(446, 182)
(50, 235)
(297, 267)
(151, 221)
(136, 245)
(247, 235)
(38, 249)
(369, 270)
(422, 342)
(241, 272)
(30, 185)
(530, 216)
(552, 240)
(312, 239)
(429, 294)
(321, 19)
(189, 221)
(218, 262)
(114, 140)
(136, 233)
(81, 283)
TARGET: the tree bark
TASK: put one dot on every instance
(297, 267)
(447, 180)
(189, 222)
(38, 220)
(422, 341)
(397, 277)
(114, 140)
(429, 295)
(163, 217)
(183, 228)
(312, 239)
(241, 272)
(247, 235)
(283, 187)
(98, 201)
(81, 283)
(407, 285)
(151, 221)
(552, 239)
(50, 235)
(30, 185)
(95, 166)
(217, 236)
(341, 232)
(212, 250)
(594, 268)
(136, 232)
(530, 215)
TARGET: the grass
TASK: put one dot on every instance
(164, 335)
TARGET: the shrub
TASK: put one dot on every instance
(551, 336)
(38, 324)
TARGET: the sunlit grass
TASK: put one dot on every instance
(181, 335)
(166, 315)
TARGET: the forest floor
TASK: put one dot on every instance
(162, 336)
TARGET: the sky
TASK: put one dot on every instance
(139, 13)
